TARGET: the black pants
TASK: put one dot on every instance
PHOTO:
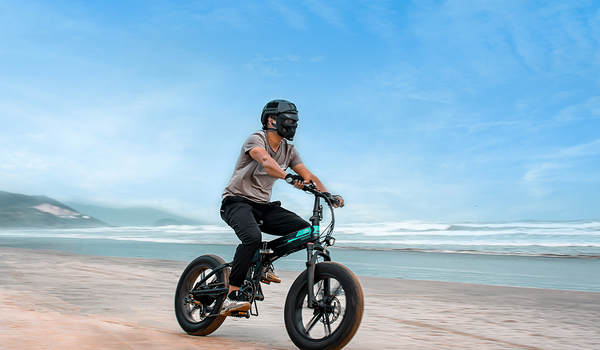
(244, 216)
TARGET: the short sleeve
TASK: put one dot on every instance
(295, 158)
(253, 141)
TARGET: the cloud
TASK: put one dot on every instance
(585, 149)
(223, 16)
(293, 17)
(381, 19)
(540, 171)
(259, 65)
(563, 166)
(327, 12)
(22, 161)
(580, 111)
(97, 148)
(536, 181)
(274, 67)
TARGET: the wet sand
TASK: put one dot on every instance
(58, 300)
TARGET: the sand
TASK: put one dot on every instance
(57, 300)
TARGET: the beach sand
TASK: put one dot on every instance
(58, 300)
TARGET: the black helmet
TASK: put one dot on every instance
(286, 115)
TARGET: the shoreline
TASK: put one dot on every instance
(488, 269)
(446, 248)
(53, 299)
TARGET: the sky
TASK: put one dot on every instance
(446, 111)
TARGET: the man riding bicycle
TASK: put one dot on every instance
(246, 207)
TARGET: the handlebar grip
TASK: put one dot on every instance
(331, 198)
(291, 178)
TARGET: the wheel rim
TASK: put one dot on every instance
(196, 311)
(325, 319)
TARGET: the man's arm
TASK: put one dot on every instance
(263, 158)
(272, 168)
(303, 171)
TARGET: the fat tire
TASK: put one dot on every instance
(351, 319)
(209, 324)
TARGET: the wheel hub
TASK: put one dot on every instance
(331, 309)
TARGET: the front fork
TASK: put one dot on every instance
(311, 261)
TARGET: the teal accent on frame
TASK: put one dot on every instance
(304, 232)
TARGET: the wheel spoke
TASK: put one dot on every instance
(202, 275)
(337, 291)
(312, 322)
(319, 291)
(326, 324)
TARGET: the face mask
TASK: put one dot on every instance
(286, 125)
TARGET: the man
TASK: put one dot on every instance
(264, 158)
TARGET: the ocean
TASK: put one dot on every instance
(541, 254)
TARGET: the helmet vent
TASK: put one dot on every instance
(272, 104)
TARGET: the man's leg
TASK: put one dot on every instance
(279, 221)
(239, 215)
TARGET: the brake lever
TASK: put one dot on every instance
(309, 187)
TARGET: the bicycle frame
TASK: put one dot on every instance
(308, 238)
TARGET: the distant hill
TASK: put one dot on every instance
(22, 211)
(134, 216)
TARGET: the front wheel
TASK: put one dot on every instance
(334, 320)
(197, 316)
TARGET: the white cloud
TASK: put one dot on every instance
(260, 66)
(381, 19)
(580, 111)
(327, 12)
(22, 161)
(585, 149)
(293, 17)
(540, 171)
(278, 67)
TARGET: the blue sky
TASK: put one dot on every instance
(414, 110)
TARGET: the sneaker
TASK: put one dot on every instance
(230, 306)
(270, 276)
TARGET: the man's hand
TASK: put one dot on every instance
(296, 180)
(335, 199)
(340, 200)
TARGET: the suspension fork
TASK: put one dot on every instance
(311, 261)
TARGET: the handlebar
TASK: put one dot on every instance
(312, 188)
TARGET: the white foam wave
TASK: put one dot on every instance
(404, 243)
(549, 237)
(390, 227)
(584, 225)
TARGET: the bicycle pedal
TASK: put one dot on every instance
(265, 281)
(240, 314)
(266, 251)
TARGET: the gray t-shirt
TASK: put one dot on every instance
(250, 180)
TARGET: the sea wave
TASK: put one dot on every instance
(471, 251)
(568, 238)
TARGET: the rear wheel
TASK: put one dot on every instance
(332, 323)
(194, 314)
